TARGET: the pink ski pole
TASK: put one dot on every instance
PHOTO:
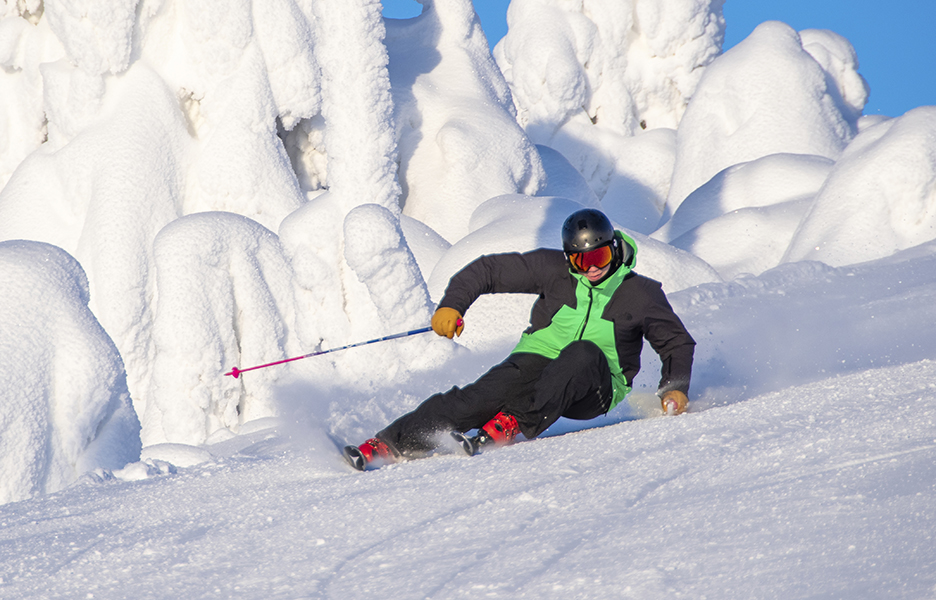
(235, 372)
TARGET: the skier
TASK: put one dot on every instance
(577, 359)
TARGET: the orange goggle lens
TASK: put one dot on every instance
(599, 257)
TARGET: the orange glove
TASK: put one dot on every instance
(447, 322)
(674, 402)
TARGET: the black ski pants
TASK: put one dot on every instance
(534, 389)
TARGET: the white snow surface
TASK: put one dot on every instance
(189, 187)
(804, 469)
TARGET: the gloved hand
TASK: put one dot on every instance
(447, 322)
(674, 402)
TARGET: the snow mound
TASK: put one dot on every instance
(636, 196)
(623, 64)
(103, 197)
(766, 181)
(587, 77)
(64, 406)
(215, 270)
(459, 141)
(26, 44)
(803, 321)
(742, 220)
(375, 249)
(98, 37)
(562, 179)
(426, 245)
(880, 197)
(179, 455)
(359, 139)
(767, 95)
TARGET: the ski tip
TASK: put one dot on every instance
(354, 457)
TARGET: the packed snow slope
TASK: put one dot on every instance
(814, 477)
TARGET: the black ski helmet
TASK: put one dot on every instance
(585, 230)
(588, 229)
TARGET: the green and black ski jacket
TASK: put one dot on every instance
(616, 314)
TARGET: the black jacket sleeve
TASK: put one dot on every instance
(533, 272)
(669, 338)
(641, 311)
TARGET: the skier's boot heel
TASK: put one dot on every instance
(355, 457)
(499, 431)
(372, 453)
(468, 443)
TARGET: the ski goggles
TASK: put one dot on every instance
(599, 257)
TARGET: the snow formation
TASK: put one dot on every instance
(459, 141)
(587, 76)
(189, 187)
(879, 198)
(66, 408)
(767, 95)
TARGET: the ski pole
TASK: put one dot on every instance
(235, 372)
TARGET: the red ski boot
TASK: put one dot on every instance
(499, 431)
(372, 453)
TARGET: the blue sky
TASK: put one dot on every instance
(895, 40)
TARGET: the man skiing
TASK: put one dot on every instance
(577, 359)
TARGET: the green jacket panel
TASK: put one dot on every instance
(584, 321)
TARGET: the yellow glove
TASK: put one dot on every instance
(447, 322)
(674, 402)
